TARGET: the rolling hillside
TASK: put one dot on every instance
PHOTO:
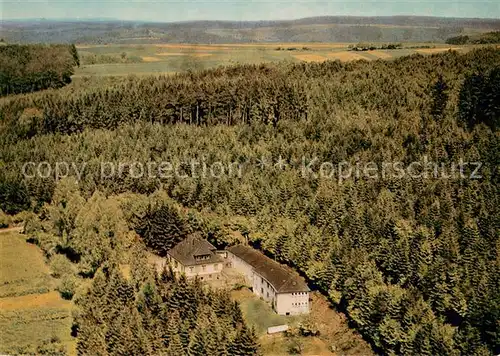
(315, 29)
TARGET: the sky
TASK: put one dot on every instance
(240, 10)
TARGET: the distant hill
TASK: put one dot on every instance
(483, 38)
(314, 29)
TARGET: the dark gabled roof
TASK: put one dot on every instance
(194, 245)
(282, 278)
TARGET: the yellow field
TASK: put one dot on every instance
(381, 55)
(345, 56)
(150, 59)
(155, 59)
(46, 300)
(32, 313)
(193, 46)
(310, 57)
(171, 54)
(437, 50)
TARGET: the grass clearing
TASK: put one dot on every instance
(32, 313)
(47, 300)
(258, 313)
(334, 331)
(22, 267)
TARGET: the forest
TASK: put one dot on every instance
(413, 262)
(484, 38)
(28, 68)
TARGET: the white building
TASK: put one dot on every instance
(280, 285)
(195, 256)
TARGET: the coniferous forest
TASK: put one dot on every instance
(28, 68)
(159, 314)
(414, 262)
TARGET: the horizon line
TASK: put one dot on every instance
(111, 19)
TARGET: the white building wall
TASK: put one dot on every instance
(283, 303)
(204, 271)
(243, 267)
(263, 288)
(292, 303)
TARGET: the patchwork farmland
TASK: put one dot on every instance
(147, 59)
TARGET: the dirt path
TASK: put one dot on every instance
(12, 229)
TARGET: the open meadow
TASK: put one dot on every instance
(147, 59)
(33, 316)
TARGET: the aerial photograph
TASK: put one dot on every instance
(250, 177)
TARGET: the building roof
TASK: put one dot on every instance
(194, 245)
(282, 278)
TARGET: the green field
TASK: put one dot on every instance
(33, 317)
(170, 58)
(334, 332)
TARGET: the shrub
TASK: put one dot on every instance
(68, 287)
(32, 224)
(5, 220)
(60, 266)
(295, 347)
(22, 217)
(239, 286)
(308, 329)
(47, 242)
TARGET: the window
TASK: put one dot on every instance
(216, 266)
(191, 269)
(203, 268)
(262, 290)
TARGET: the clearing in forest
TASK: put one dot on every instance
(335, 335)
(32, 313)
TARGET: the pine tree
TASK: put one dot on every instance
(245, 342)
(162, 229)
(175, 347)
(439, 98)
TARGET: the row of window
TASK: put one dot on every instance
(204, 268)
(202, 257)
(299, 293)
(299, 304)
